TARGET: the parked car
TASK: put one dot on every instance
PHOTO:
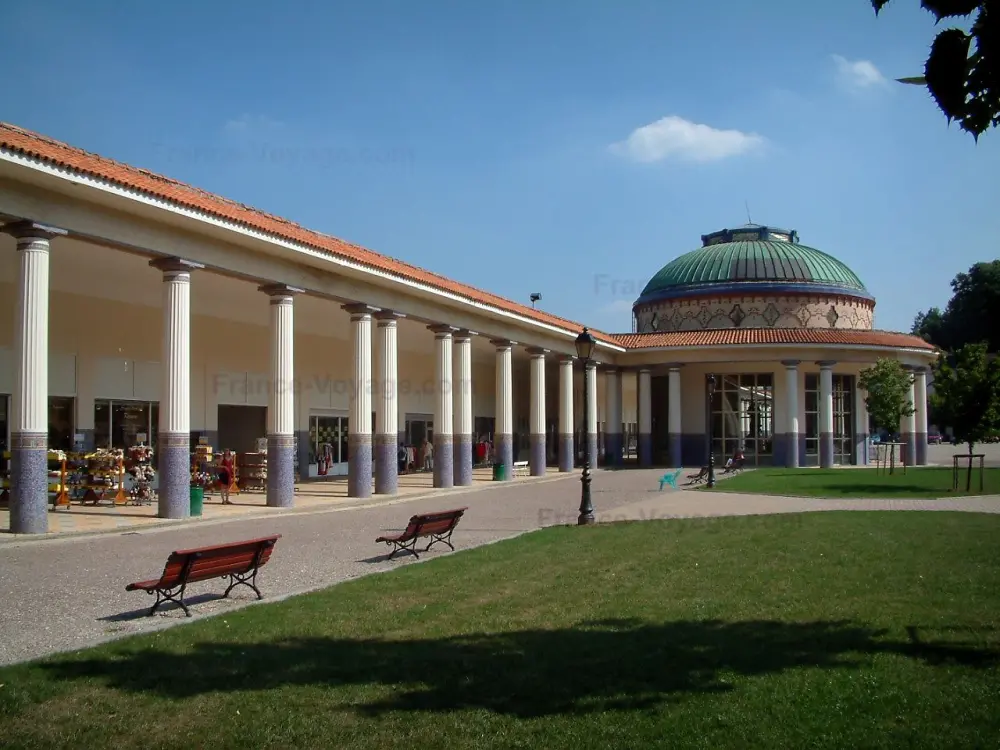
(934, 438)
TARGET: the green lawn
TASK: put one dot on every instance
(811, 630)
(851, 482)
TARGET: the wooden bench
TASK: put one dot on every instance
(737, 465)
(438, 526)
(701, 476)
(238, 561)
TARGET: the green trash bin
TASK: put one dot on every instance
(498, 473)
(197, 500)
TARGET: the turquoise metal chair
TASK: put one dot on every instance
(670, 479)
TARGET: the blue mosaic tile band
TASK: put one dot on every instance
(280, 471)
(504, 448)
(444, 460)
(613, 448)
(386, 464)
(29, 483)
(909, 440)
(694, 448)
(566, 452)
(463, 460)
(174, 465)
(359, 465)
(645, 449)
(592, 449)
(826, 450)
(861, 449)
(921, 448)
(675, 442)
(536, 455)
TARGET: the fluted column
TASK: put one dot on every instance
(674, 409)
(463, 408)
(908, 424)
(536, 425)
(386, 406)
(566, 414)
(503, 438)
(590, 413)
(444, 451)
(29, 427)
(174, 439)
(920, 416)
(860, 427)
(281, 403)
(613, 418)
(792, 412)
(644, 396)
(826, 414)
(359, 425)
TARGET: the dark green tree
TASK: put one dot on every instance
(966, 396)
(963, 78)
(971, 314)
(888, 387)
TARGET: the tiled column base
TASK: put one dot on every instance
(536, 455)
(645, 450)
(826, 450)
(280, 471)
(565, 453)
(386, 464)
(504, 448)
(592, 449)
(861, 449)
(921, 448)
(463, 460)
(29, 483)
(909, 440)
(613, 448)
(444, 461)
(359, 465)
(674, 448)
(174, 463)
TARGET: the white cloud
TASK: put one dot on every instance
(858, 75)
(676, 137)
(247, 123)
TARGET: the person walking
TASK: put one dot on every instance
(227, 470)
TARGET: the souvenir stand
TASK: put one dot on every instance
(58, 480)
(140, 468)
(252, 468)
(105, 474)
(202, 462)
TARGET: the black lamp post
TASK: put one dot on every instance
(584, 349)
(711, 446)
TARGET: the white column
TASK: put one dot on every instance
(590, 412)
(860, 427)
(674, 410)
(920, 416)
(908, 425)
(826, 414)
(503, 437)
(463, 408)
(644, 399)
(29, 426)
(566, 449)
(174, 439)
(359, 425)
(281, 404)
(537, 412)
(387, 406)
(613, 417)
(791, 412)
(444, 451)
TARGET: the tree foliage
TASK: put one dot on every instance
(888, 387)
(963, 78)
(967, 393)
(971, 314)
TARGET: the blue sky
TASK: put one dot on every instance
(566, 148)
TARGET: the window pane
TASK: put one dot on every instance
(128, 419)
(61, 423)
(812, 401)
(812, 447)
(812, 382)
(812, 425)
(4, 401)
(102, 411)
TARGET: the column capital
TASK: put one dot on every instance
(567, 359)
(645, 370)
(502, 343)
(537, 351)
(921, 370)
(358, 310)
(590, 364)
(826, 364)
(388, 317)
(610, 369)
(440, 330)
(279, 291)
(463, 334)
(791, 364)
(31, 230)
(172, 265)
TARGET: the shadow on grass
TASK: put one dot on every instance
(593, 667)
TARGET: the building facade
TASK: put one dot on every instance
(143, 309)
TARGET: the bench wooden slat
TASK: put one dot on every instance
(439, 525)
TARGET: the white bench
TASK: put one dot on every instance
(521, 469)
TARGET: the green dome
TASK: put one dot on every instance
(761, 258)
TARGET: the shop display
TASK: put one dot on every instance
(105, 475)
(140, 469)
(58, 486)
(252, 470)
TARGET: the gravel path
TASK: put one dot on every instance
(65, 594)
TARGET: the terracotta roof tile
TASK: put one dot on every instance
(736, 336)
(55, 152)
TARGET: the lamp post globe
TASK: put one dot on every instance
(711, 445)
(585, 344)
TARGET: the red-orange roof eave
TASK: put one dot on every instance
(60, 154)
(772, 336)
